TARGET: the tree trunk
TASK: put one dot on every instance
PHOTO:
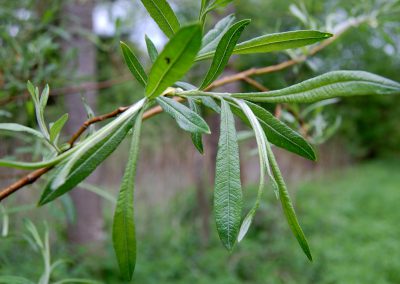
(88, 227)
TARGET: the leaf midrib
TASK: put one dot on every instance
(144, 81)
(239, 48)
(229, 170)
(166, 20)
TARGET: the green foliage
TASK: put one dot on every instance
(42, 245)
(151, 49)
(187, 119)
(274, 42)
(86, 163)
(347, 246)
(134, 65)
(279, 133)
(327, 86)
(197, 138)
(124, 236)
(223, 52)
(186, 45)
(163, 15)
(174, 61)
(228, 189)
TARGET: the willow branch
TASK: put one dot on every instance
(245, 76)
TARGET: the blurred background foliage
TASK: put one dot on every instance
(350, 215)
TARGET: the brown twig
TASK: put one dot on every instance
(28, 179)
(255, 84)
(33, 176)
(93, 120)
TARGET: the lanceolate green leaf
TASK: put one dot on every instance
(133, 64)
(15, 127)
(287, 205)
(224, 51)
(151, 49)
(282, 135)
(197, 138)
(264, 166)
(330, 85)
(44, 98)
(280, 41)
(174, 61)
(213, 37)
(163, 15)
(87, 163)
(57, 126)
(228, 189)
(278, 133)
(275, 42)
(124, 236)
(187, 119)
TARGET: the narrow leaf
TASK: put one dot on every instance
(275, 42)
(151, 49)
(133, 64)
(174, 61)
(330, 85)
(44, 97)
(279, 133)
(213, 37)
(287, 205)
(86, 164)
(281, 41)
(14, 127)
(282, 135)
(124, 236)
(264, 164)
(187, 119)
(163, 15)
(228, 189)
(197, 138)
(31, 90)
(224, 51)
(57, 126)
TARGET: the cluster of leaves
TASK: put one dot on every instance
(30, 45)
(42, 245)
(162, 87)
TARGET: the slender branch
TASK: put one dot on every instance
(28, 179)
(93, 120)
(255, 84)
(33, 176)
